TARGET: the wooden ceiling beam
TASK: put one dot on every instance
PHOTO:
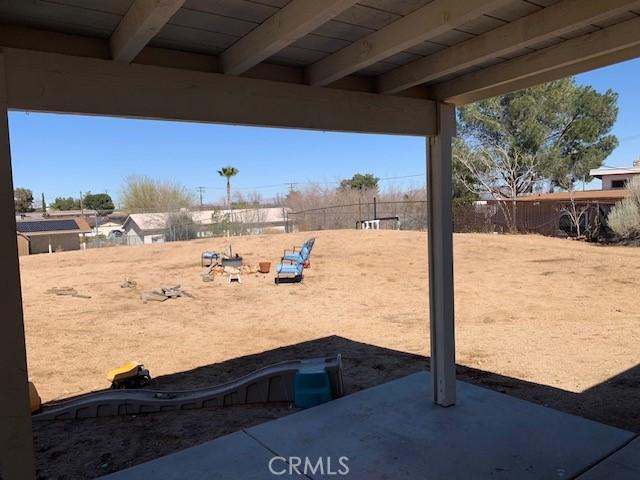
(143, 20)
(554, 21)
(610, 45)
(294, 21)
(429, 21)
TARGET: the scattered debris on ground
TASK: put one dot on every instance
(68, 291)
(128, 283)
(165, 293)
(220, 270)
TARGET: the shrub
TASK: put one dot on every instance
(180, 226)
(624, 217)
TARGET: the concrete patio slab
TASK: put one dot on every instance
(234, 456)
(622, 465)
(394, 431)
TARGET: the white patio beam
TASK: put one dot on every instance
(294, 21)
(427, 22)
(143, 20)
(609, 45)
(60, 83)
(554, 21)
(440, 248)
(26, 38)
(16, 442)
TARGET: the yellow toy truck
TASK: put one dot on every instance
(34, 398)
(129, 375)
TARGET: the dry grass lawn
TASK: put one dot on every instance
(534, 315)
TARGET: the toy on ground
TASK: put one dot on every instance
(312, 387)
(273, 383)
(34, 399)
(129, 375)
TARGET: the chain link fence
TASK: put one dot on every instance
(400, 215)
(505, 217)
(186, 224)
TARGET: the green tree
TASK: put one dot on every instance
(361, 182)
(565, 126)
(98, 201)
(65, 203)
(144, 193)
(228, 172)
(44, 205)
(464, 184)
(23, 200)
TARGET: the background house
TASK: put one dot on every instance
(23, 245)
(50, 235)
(104, 226)
(616, 178)
(144, 228)
(84, 213)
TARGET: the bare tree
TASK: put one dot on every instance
(140, 193)
(500, 173)
(566, 179)
(574, 212)
(180, 226)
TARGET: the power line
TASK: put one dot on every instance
(292, 185)
(201, 191)
(630, 137)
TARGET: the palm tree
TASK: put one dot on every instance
(229, 172)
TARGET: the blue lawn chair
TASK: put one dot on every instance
(289, 273)
(300, 255)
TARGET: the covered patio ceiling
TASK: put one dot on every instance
(455, 51)
(373, 66)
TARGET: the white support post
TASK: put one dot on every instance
(16, 440)
(440, 246)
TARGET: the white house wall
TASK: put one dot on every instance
(59, 243)
(607, 180)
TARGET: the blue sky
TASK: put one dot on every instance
(61, 155)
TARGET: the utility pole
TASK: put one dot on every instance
(201, 191)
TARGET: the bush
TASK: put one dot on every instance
(180, 226)
(624, 217)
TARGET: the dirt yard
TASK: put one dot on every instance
(553, 321)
